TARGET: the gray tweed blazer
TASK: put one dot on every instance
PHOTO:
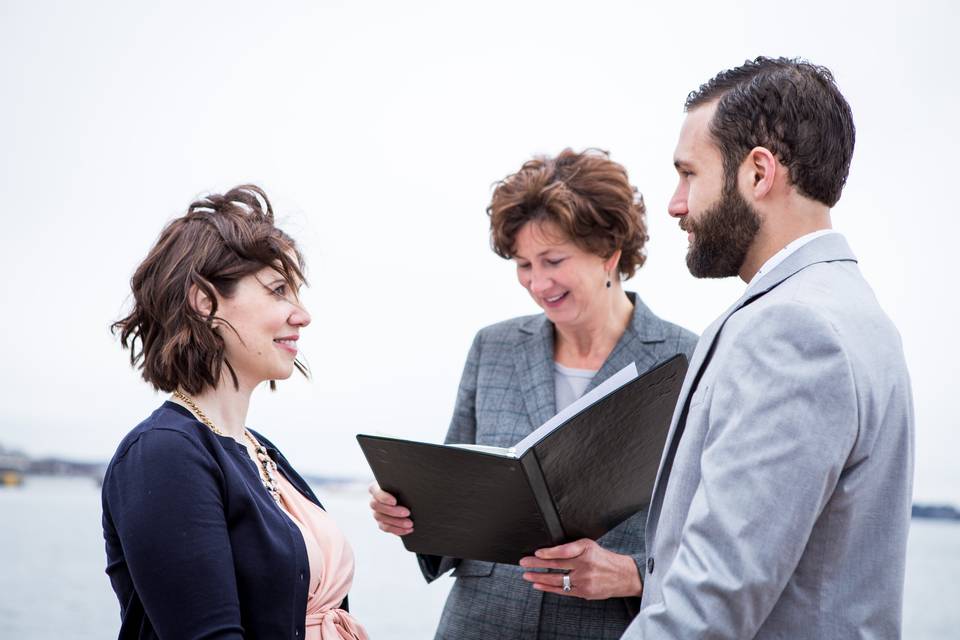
(507, 390)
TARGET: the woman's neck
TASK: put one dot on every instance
(225, 406)
(587, 344)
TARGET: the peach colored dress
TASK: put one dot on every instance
(331, 568)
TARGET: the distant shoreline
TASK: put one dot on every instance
(25, 467)
(935, 512)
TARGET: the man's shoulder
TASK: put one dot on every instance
(835, 291)
(824, 304)
(781, 318)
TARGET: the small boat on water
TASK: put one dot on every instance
(10, 478)
(12, 467)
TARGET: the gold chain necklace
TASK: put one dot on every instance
(269, 467)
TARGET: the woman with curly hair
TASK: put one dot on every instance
(210, 533)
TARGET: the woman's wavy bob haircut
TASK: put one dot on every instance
(220, 240)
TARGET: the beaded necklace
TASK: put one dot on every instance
(268, 468)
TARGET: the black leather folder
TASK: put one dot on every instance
(578, 476)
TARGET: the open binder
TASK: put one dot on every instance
(580, 474)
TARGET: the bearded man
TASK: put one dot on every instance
(783, 497)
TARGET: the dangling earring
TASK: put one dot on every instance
(608, 283)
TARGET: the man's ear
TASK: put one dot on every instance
(200, 300)
(760, 171)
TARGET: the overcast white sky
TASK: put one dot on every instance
(378, 128)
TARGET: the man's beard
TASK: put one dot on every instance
(722, 236)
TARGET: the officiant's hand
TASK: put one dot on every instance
(595, 573)
(390, 516)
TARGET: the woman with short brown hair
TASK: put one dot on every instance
(574, 227)
(209, 531)
(585, 196)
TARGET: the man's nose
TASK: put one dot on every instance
(678, 204)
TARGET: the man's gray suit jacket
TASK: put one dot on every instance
(783, 499)
(507, 390)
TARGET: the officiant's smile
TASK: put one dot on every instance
(567, 281)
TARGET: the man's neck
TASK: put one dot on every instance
(780, 229)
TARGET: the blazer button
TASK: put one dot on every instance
(301, 576)
(650, 565)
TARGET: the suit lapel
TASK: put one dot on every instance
(697, 362)
(534, 366)
(827, 248)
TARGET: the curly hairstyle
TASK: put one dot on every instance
(220, 240)
(586, 195)
(791, 107)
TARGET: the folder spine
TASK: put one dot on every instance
(538, 485)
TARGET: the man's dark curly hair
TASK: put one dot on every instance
(791, 107)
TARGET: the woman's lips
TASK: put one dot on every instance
(287, 344)
(555, 301)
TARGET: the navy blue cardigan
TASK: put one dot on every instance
(196, 548)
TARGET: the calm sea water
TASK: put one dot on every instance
(52, 584)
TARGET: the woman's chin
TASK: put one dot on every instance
(281, 373)
(558, 316)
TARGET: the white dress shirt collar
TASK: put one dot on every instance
(782, 255)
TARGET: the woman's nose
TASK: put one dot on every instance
(539, 281)
(300, 316)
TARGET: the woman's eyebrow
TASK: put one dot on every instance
(540, 254)
(270, 282)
